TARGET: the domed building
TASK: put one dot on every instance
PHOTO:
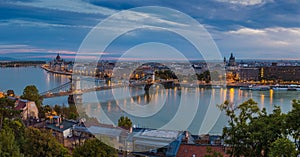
(57, 64)
(232, 60)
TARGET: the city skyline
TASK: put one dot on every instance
(252, 29)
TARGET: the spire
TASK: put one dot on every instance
(57, 57)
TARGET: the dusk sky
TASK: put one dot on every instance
(251, 29)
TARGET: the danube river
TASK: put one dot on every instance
(154, 110)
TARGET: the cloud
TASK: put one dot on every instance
(243, 2)
(252, 28)
(28, 23)
(272, 43)
(77, 6)
(248, 31)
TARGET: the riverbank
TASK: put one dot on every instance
(5, 64)
(55, 72)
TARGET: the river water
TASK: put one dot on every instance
(160, 109)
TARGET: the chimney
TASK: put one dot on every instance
(186, 134)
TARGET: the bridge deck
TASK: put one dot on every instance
(99, 88)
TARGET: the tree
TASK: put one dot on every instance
(44, 110)
(10, 92)
(58, 109)
(265, 129)
(70, 112)
(31, 93)
(125, 123)
(96, 148)
(8, 145)
(251, 131)
(42, 143)
(282, 147)
(7, 110)
(16, 127)
(293, 122)
(205, 76)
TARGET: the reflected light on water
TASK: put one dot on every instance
(262, 101)
(213, 92)
(125, 102)
(109, 106)
(224, 95)
(139, 99)
(131, 100)
(240, 94)
(271, 97)
(231, 95)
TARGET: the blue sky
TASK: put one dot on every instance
(251, 29)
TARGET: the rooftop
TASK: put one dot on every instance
(161, 133)
(64, 125)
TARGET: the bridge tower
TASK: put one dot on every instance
(75, 88)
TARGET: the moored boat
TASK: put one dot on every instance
(260, 88)
(278, 87)
(293, 87)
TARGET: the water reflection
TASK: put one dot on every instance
(173, 98)
(19, 78)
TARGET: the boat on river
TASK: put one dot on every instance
(291, 87)
(256, 88)
(278, 87)
(260, 88)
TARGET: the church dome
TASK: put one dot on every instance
(57, 57)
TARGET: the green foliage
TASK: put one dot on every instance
(10, 92)
(69, 112)
(293, 122)
(282, 147)
(31, 93)
(42, 143)
(43, 110)
(205, 76)
(166, 74)
(251, 131)
(8, 145)
(7, 110)
(124, 122)
(58, 109)
(95, 148)
(17, 128)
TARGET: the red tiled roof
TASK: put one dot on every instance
(188, 150)
(21, 105)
